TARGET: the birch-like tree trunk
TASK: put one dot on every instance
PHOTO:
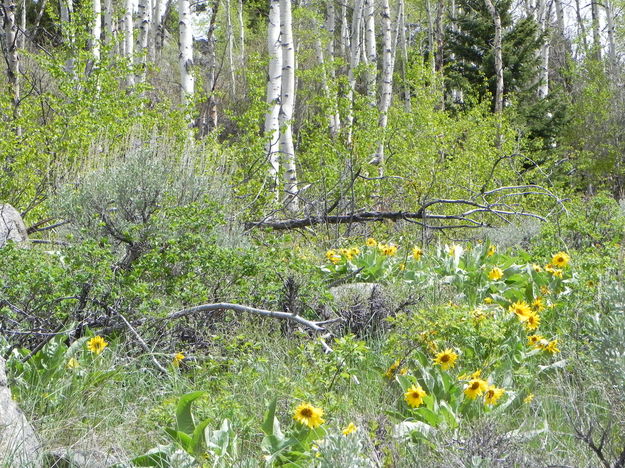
(155, 29)
(596, 27)
(386, 92)
(354, 61)
(330, 26)
(544, 20)
(401, 25)
(145, 18)
(185, 58)
(212, 65)
(274, 88)
(498, 56)
(109, 29)
(96, 31)
(12, 58)
(22, 32)
(241, 34)
(230, 48)
(345, 42)
(128, 29)
(287, 104)
(66, 8)
(370, 51)
(609, 18)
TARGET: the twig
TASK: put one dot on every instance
(142, 343)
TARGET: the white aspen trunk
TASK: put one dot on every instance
(274, 88)
(544, 19)
(498, 56)
(22, 34)
(353, 63)
(431, 26)
(241, 34)
(109, 28)
(386, 94)
(12, 58)
(129, 40)
(345, 35)
(596, 35)
(230, 47)
(186, 52)
(581, 28)
(67, 12)
(330, 26)
(145, 16)
(212, 66)
(401, 25)
(371, 50)
(96, 31)
(153, 33)
(287, 104)
(609, 17)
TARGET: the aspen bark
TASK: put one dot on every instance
(386, 94)
(128, 28)
(596, 35)
(345, 41)
(12, 58)
(287, 104)
(401, 25)
(274, 87)
(609, 17)
(241, 34)
(185, 58)
(230, 47)
(145, 18)
(330, 26)
(544, 19)
(212, 66)
(107, 18)
(67, 12)
(498, 56)
(22, 32)
(354, 61)
(96, 30)
(370, 51)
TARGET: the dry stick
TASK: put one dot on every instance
(142, 343)
(252, 310)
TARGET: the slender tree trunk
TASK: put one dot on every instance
(212, 66)
(386, 95)
(241, 35)
(155, 30)
(609, 17)
(109, 29)
(42, 9)
(67, 13)
(370, 51)
(580, 26)
(186, 52)
(335, 117)
(544, 20)
(401, 25)
(345, 41)
(96, 31)
(287, 104)
(128, 28)
(145, 18)
(596, 35)
(354, 61)
(230, 47)
(22, 32)
(498, 56)
(274, 87)
(12, 59)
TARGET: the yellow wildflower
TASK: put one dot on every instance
(371, 242)
(417, 253)
(455, 250)
(537, 268)
(488, 300)
(446, 359)
(495, 274)
(534, 340)
(308, 415)
(402, 266)
(72, 363)
(491, 250)
(475, 387)
(532, 321)
(390, 372)
(552, 347)
(528, 399)
(403, 371)
(521, 309)
(351, 427)
(354, 251)
(467, 376)
(561, 259)
(389, 250)
(333, 256)
(96, 344)
(493, 394)
(538, 305)
(178, 357)
(545, 291)
(414, 396)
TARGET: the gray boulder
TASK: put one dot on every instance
(19, 445)
(12, 226)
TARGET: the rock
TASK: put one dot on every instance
(70, 458)
(12, 226)
(363, 306)
(19, 445)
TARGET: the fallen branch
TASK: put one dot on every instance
(316, 326)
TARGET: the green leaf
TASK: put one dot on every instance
(184, 440)
(184, 418)
(270, 415)
(157, 459)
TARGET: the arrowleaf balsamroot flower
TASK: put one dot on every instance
(178, 357)
(561, 259)
(493, 394)
(96, 344)
(308, 415)
(521, 309)
(491, 250)
(475, 387)
(351, 427)
(446, 359)
(532, 321)
(72, 363)
(495, 274)
(417, 253)
(371, 242)
(552, 347)
(414, 396)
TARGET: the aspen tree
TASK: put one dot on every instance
(128, 44)
(287, 103)
(272, 122)
(186, 52)
(354, 61)
(370, 50)
(145, 18)
(498, 55)
(12, 58)
(330, 26)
